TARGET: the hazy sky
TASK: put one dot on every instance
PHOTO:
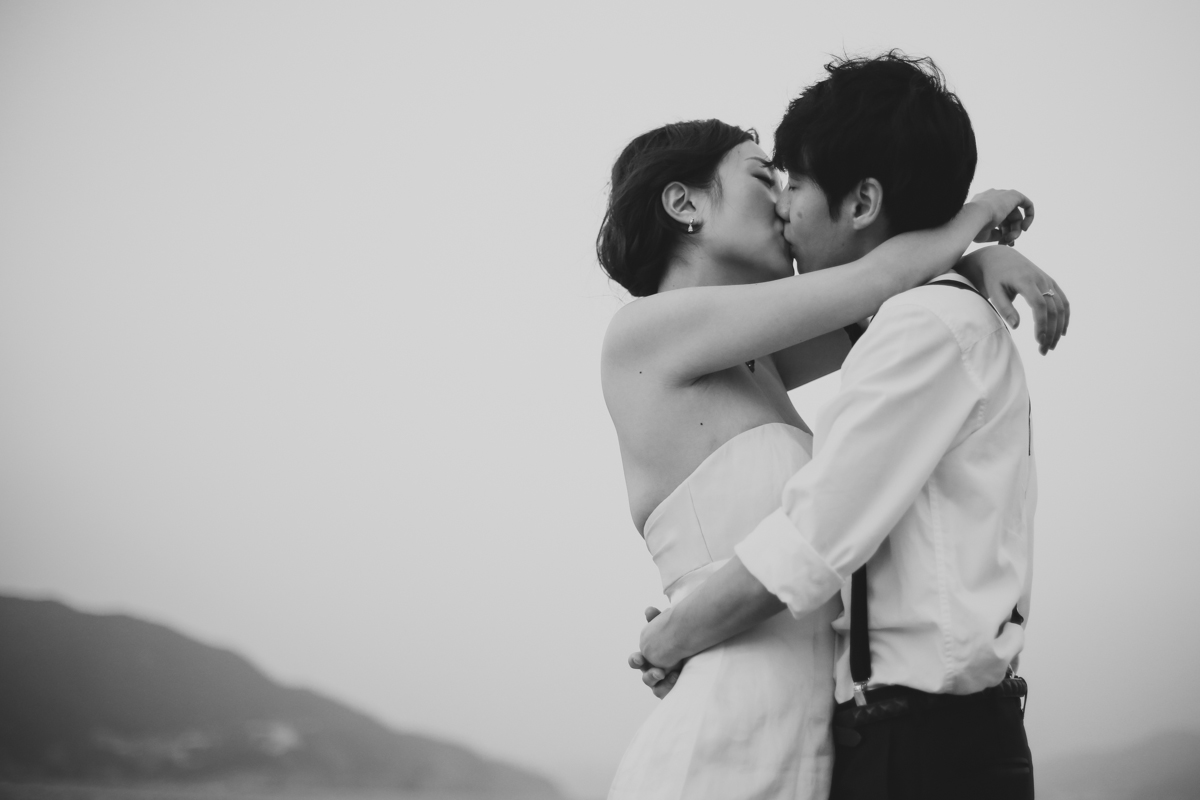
(300, 320)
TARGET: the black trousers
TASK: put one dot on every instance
(962, 748)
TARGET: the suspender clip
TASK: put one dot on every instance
(860, 697)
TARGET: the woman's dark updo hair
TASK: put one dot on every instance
(638, 237)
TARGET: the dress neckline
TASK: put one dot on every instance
(662, 503)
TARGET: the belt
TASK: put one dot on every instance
(889, 702)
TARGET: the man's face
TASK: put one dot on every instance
(816, 239)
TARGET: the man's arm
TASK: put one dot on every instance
(732, 601)
(905, 398)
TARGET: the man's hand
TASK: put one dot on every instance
(1002, 273)
(730, 602)
(1009, 213)
(659, 679)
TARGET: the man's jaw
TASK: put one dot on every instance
(804, 265)
(801, 263)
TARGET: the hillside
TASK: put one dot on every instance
(113, 699)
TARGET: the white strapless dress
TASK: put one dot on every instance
(749, 718)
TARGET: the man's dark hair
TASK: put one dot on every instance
(638, 237)
(891, 118)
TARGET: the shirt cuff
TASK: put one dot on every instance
(783, 561)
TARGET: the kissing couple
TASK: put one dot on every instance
(898, 535)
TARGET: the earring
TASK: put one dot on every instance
(691, 225)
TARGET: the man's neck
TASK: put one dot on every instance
(858, 246)
(862, 242)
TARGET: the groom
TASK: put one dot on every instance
(922, 484)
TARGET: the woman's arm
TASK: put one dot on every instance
(1002, 273)
(685, 334)
(999, 272)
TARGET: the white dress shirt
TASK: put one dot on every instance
(923, 468)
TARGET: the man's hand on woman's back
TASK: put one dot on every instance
(660, 680)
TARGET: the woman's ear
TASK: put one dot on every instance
(679, 201)
(866, 203)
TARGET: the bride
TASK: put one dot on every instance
(696, 374)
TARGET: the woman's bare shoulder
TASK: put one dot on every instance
(627, 331)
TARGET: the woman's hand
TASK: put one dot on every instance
(1009, 213)
(1002, 273)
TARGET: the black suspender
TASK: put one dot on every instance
(860, 643)
(967, 287)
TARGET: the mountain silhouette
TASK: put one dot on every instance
(113, 699)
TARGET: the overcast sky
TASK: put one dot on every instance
(300, 321)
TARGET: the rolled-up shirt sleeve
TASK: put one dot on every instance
(907, 397)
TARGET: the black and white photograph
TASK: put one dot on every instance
(662, 400)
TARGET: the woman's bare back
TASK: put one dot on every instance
(666, 430)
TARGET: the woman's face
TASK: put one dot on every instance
(740, 227)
